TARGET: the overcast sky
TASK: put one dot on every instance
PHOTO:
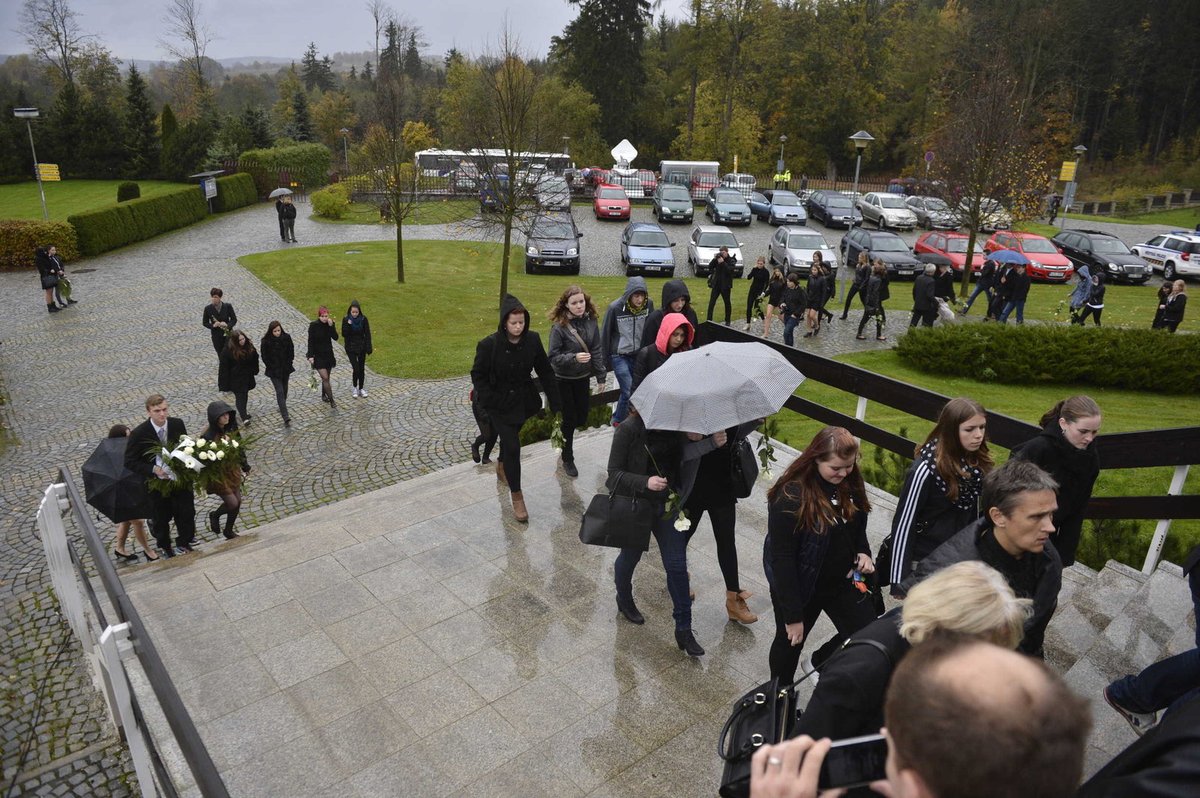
(132, 28)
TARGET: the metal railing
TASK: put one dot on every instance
(1178, 448)
(107, 645)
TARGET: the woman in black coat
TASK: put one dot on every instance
(278, 354)
(239, 366)
(222, 424)
(356, 338)
(874, 294)
(1066, 450)
(50, 271)
(816, 296)
(505, 391)
(758, 277)
(774, 296)
(1170, 313)
(321, 335)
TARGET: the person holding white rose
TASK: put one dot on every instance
(222, 423)
(660, 465)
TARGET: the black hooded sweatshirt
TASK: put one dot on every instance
(500, 374)
(672, 290)
(1075, 471)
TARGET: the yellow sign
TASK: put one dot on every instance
(1067, 173)
(48, 171)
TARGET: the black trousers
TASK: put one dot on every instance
(576, 402)
(855, 288)
(510, 452)
(723, 519)
(282, 229)
(358, 367)
(880, 320)
(723, 293)
(179, 506)
(925, 317)
(289, 229)
(846, 607)
(1088, 310)
(239, 400)
(750, 297)
(280, 384)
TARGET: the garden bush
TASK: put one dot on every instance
(117, 225)
(331, 202)
(539, 427)
(1110, 357)
(20, 237)
(235, 191)
(128, 190)
(305, 164)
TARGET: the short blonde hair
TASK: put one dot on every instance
(967, 598)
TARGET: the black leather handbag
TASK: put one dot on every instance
(743, 469)
(621, 522)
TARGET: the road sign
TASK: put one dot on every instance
(1067, 173)
(48, 171)
(929, 156)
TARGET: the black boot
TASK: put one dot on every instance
(229, 519)
(629, 610)
(53, 308)
(214, 521)
(687, 642)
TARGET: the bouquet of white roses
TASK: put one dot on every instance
(197, 464)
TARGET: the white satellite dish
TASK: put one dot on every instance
(623, 154)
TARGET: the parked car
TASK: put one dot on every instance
(466, 177)
(933, 213)
(649, 181)
(992, 215)
(703, 245)
(553, 194)
(1045, 261)
(888, 247)
(832, 208)
(779, 207)
(953, 246)
(792, 249)
(1175, 254)
(645, 249)
(1103, 253)
(610, 202)
(490, 191)
(726, 205)
(740, 182)
(552, 244)
(702, 183)
(886, 210)
(672, 202)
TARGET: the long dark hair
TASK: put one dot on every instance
(1072, 409)
(236, 350)
(801, 482)
(266, 338)
(950, 454)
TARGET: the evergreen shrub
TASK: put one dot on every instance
(128, 190)
(117, 225)
(540, 426)
(234, 191)
(1107, 357)
(305, 164)
(331, 202)
(20, 237)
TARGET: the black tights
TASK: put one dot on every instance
(880, 320)
(240, 399)
(231, 505)
(326, 388)
(358, 367)
(724, 525)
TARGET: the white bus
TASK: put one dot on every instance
(441, 163)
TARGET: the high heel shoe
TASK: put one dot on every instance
(126, 557)
(155, 558)
(687, 642)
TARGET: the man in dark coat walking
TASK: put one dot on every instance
(720, 279)
(1018, 283)
(143, 456)
(219, 318)
(924, 304)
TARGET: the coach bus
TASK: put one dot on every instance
(435, 163)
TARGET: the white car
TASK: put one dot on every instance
(741, 182)
(993, 215)
(1174, 254)
(705, 242)
(792, 249)
(886, 211)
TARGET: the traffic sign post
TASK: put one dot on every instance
(928, 162)
(49, 172)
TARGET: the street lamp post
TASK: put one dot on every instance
(861, 139)
(1072, 187)
(346, 147)
(29, 114)
(782, 141)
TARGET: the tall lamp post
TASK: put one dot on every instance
(29, 114)
(346, 147)
(861, 139)
(1072, 187)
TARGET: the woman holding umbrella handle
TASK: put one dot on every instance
(139, 525)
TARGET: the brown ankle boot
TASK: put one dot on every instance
(500, 477)
(735, 605)
(519, 511)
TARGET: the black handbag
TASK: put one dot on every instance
(743, 469)
(622, 522)
(49, 280)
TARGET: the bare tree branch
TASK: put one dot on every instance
(51, 30)
(191, 38)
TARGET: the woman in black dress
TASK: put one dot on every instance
(356, 338)
(758, 277)
(321, 335)
(239, 366)
(774, 293)
(278, 354)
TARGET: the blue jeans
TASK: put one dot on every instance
(789, 329)
(1161, 685)
(672, 547)
(622, 366)
(979, 289)
(1019, 304)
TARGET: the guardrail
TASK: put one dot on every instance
(107, 645)
(1179, 448)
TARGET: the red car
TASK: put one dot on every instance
(1046, 261)
(610, 202)
(951, 245)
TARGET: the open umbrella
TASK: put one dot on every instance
(112, 488)
(280, 192)
(1008, 256)
(717, 386)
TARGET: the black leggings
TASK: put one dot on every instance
(239, 399)
(576, 401)
(723, 293)
(1088, 310)
(724, 525)
(750, 299)
(847, 608)
(280, 384)
(880, 320)
(510, 452)
(855, 288)
(231, 505)
(358, 367)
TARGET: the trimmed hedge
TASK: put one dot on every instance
(1109, 357)
(331, 202)
(20, 237)
(128, 190)
(136, 220)
(305, 164)
(234, 191)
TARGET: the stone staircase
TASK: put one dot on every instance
(1111, 623)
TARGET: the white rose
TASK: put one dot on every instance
(199, 441)
(682, 524)
(767, 475)
(220, 455)
(188, 450)
(205, 456)
(233, 443)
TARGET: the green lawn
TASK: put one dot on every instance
(428, 212)
(1183, 218)
(21, 201)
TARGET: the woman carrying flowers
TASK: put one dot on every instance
(321, 335)
(224, 479)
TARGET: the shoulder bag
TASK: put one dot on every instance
(621, 522)
(743, 469)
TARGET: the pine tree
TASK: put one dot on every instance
(168, 128)
(353, 75)
(301, 128)
(367, 75)
(141, 133)
(412, 58)
(310, 67)
(390, 59)
(258, 125)
(66, 130)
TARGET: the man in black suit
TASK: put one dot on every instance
(219, 318)
(146, 438)
(924, 308)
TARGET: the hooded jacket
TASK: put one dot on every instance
(978, 542)
(672, 290)
(1075, 471)
(356, 338)
(621, 333)
(500, 374)
(1083, 286)
(215, 411)
(564, 347)
(651, 357)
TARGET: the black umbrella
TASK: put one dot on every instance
(112, 488)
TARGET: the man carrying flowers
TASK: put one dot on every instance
(148, 453)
